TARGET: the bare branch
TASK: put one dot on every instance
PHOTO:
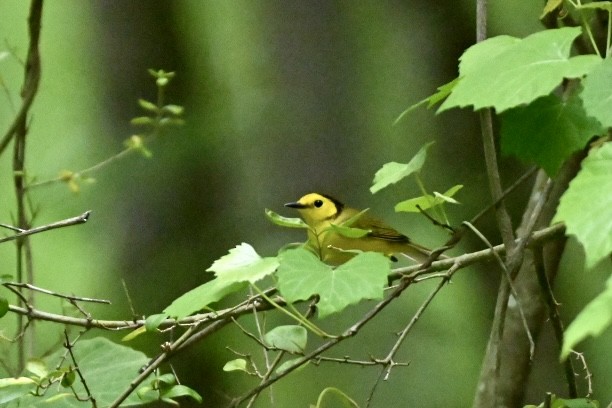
(81, 219)
(70, 298)
(388, 362)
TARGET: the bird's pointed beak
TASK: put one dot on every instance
(295, 204)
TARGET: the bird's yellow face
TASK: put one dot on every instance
(317, 209)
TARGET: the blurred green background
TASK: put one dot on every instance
(282, 98)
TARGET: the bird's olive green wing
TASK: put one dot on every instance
(378, 229)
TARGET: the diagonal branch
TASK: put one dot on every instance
(80, 219)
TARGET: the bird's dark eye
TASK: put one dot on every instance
(318, 203)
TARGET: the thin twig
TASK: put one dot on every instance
(79, 174)
(128, 298)
(348, 360)
(350, 332)
(388, 362)
(508, 277)
(32, 74)
(505, 193)
(168, 350)
(70, 298)
(81, 219)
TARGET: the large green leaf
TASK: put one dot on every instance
(202, 296)
(597, 92)
(290, 338)
(393, 172)
(547, 131)
(586, 206)
(472, 58)
(243, 264)
(107, 367)
(505, 72)
(302, 275)
(233, 270)
(14, 389)
(591, 321)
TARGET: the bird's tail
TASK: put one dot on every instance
(418, 253)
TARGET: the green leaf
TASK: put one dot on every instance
(37, 367)
(238, 364)
(393, 172)
(134, 333)
(586, 206)
(350, 232)
(171, 122)
(472, 59)
(68, 379)
(142, 121)
(179, 390)
(504, 73)
(152, 322)
(302, 275)
(413, 204)
(137, 143)
(162, 82)
(4, 306)
(147, 394)
(547, 131)
(14, 388)
(285, 221)
(447, 197)
(551, 5)
(597, 92)
(202, 296)
(337, 397)
(108, 367)
(174, 109)
(243, 264)
(167, 379)
(148, 106)
(428, 201)
(591, 321)
(289, 338)
(443, 92)
(346, 230)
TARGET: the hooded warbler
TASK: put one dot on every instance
(320, 212)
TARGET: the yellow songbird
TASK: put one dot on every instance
(321, 211)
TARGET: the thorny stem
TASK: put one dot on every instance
(553, 314)
(69, 347)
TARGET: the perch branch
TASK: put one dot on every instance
(411, 272)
